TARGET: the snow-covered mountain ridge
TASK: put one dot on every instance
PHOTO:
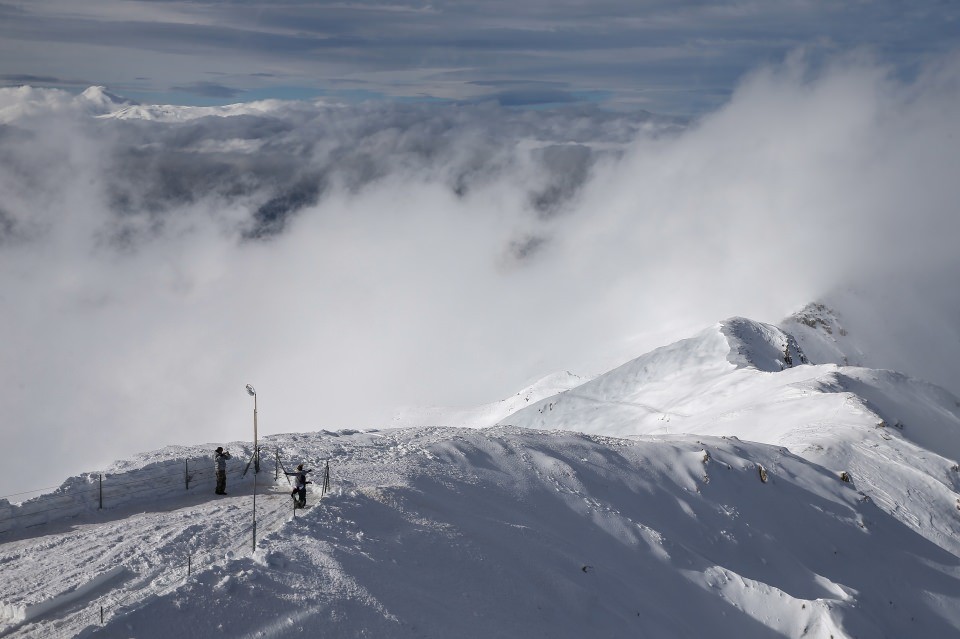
(24, 102)
(177, 113)
(96, 101)
(482, 416)
(723, 382)
(720, 486)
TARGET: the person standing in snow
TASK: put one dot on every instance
(220, 458)
(299, 492)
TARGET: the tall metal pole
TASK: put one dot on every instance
(256, 448)
(256, 465)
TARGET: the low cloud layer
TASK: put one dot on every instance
(349, 260)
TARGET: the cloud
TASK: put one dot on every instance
(680, 57)
(519, 93)
(25, 78)
(209, 90)
(350, 259)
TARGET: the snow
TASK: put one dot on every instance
(177, 113)
(695, 491)
(18, 103)
(877, 329)
(480, 416)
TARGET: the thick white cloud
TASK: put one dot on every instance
(347, 260)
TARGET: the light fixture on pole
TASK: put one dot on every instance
(256, 449)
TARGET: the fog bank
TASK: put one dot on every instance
(347, 260)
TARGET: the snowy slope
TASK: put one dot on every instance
(823, 337)
(723, 382)
(177, 113)
(696, 491)
(896, 329)
(685, 387)
(488, 414)
(511, 532)
(17, 103)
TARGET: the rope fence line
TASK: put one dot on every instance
(170, 577)
(27, 492)
(150, 485)
(104, 484)
(106, 476)
(167, 576)
(40, 490)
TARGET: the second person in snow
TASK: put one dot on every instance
(299, 492)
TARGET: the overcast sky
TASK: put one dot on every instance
(668, 56)
(408, 236)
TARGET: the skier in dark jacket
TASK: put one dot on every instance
(299, 492)
(220, 457)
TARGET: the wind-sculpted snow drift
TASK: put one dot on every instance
(717, 487)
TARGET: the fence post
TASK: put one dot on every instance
(276, 466)
(189, 563)
(101, 615)
(326, 480)
(186, 474)
(101, 491)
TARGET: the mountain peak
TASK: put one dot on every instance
(761, 346)
(818, 329)
(99, 100)
(819, 316)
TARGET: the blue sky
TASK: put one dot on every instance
(681, 57)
